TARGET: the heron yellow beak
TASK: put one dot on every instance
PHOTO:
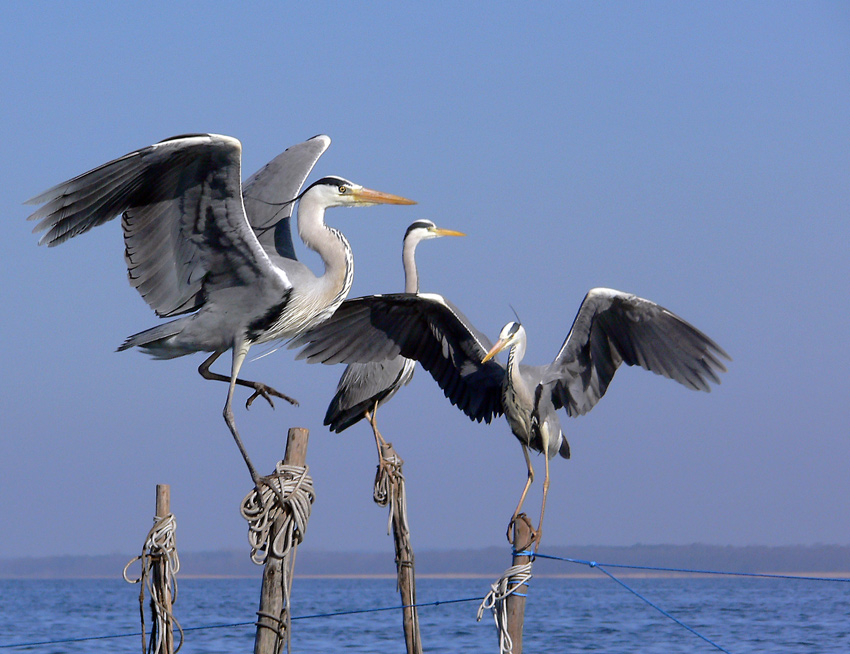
(439, 231)
(498, 347)
(368, 196)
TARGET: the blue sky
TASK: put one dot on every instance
(696, 154)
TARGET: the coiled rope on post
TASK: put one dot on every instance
(160, 547)
(277, 518)
(496, 600)
(295, 486)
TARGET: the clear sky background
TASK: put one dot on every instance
(696, 154)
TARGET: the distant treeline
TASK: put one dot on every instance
(820, 559)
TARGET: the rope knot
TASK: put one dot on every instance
(291, 485)
(388, 475)
(389, 487)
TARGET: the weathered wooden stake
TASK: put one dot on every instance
(268, 639)
(160, 578)
(523, 532)
(404, 559)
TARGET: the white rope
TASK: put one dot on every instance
(295, 487)
(495, 600)
(390, 489)
(160, 545)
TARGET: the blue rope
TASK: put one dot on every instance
(246, 624)
(591, 564)
(594, 564)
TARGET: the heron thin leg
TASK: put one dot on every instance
(539, 533)
(372, 417)
(382, 492)
(524, 491)
(383, 474)
(259, 387)
(239, 353)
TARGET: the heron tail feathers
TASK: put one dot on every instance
(564, 450)
(156, 341)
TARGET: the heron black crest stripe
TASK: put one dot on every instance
(330, 180)
(419, 224)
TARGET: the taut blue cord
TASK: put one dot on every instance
(244, 624)
(593, 564)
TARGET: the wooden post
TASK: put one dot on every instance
(268, 639)
(160, 578)
(403, 557)
(523, 533)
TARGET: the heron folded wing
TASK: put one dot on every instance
(361, 386)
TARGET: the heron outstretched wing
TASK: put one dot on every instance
(269, 193)
(613, 328)
(425, 327)
(182, 215)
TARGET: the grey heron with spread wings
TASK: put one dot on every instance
(198, 243)
(611, 328)
(363, 387)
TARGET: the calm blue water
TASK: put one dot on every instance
(562, 615)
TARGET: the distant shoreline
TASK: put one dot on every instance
(460, 575)
(828, 561)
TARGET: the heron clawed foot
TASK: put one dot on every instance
(534, 538)
(386, 454)
(267, 392)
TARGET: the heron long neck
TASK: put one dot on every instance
(515, 356)
(517, 397)
(408, 260)
(331, 245)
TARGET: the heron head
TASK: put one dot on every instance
(339, 192)
(421, 230)
(511, 334)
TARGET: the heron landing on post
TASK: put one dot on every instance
(611, 328)
(197, 243)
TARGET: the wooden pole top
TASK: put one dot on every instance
(163, 500)
(296, 446)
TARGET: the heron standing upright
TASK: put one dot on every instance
(610, 328)
(191, 246)
(363, 387)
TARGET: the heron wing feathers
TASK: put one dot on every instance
(613, 328)
(426, 328)
(182, 216)
(269, 193)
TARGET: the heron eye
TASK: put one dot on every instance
(343, 189)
